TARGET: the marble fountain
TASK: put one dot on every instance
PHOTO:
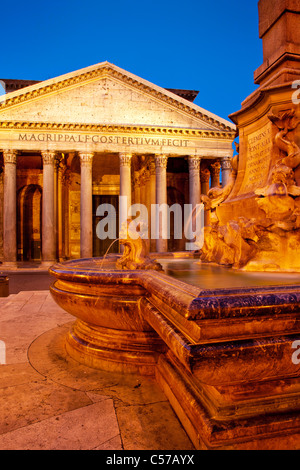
(222, 356)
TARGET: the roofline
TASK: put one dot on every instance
(91, 68)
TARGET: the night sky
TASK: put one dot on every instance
(209, 46)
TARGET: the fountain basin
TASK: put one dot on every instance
(110, 332)
(220, 355)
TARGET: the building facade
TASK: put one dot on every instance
(70, 144)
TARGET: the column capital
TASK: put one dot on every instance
(215, 168)
(194, 162)
(86, 158)
(226, 163)
(48, 157)
(125, 159)
(161, 161)
(10, 156)
(151, 166)
(205, 175)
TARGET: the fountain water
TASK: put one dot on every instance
(107, 251)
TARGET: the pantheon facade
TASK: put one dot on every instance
(72, 143)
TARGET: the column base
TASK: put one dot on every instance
(47, 264)
(161, 246)
(8, 265)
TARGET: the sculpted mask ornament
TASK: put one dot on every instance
(136, 252)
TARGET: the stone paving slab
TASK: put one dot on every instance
(85, 428)
(48, 401)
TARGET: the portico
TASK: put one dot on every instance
(132, 139)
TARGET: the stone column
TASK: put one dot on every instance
(60, 221)
(86, 205)
(226, 170)
(194, 185)
(215, 174)
(56, 166)
(10, 208)
(143, 188)
(152, 202)
(65, 205)
(148, 204)
(205, 177)
(161, 198)
(137, 188)
(194, 180)
(48, 214)
(125, 184)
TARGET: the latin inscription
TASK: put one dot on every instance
(102, 139)
(258, 160)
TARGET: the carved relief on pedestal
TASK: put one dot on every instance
(243, 242)
(278, 198)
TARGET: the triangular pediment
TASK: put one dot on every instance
(107, 95)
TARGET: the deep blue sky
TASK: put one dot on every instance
(210, 46)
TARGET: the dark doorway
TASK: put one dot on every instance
(111, 218)
(29, 223)
(176, 197)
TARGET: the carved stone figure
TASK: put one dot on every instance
(286, 122)
(136, 252)
(217, 195)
